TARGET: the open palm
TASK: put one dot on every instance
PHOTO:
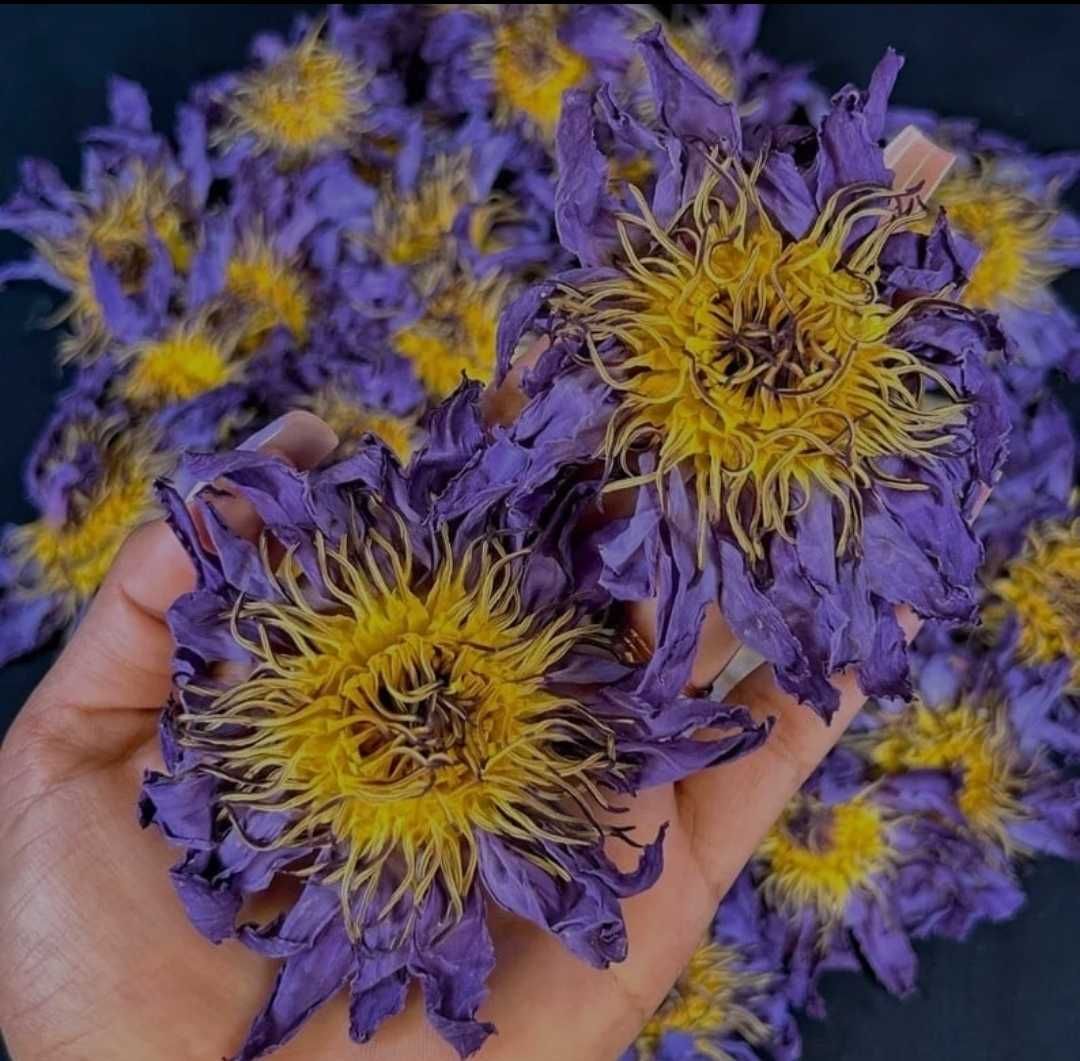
(97, 958)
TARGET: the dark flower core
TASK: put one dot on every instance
(411, 713)
(760, 366)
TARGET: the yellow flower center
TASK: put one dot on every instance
(308, 100)
(967, 741)
(457, 334)
(119, 231)
(761, 368)
(818, 856)
(74, 557)
(188, 362)
(708, 1002)
(351, 421)
(1012, 232)
(1042, 588)
(486, 220)
(271, 288)
(409, 717)
(532, 69)
(412, 229)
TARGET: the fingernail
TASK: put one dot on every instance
(267, 434)
(916, 161)
(300, 437)
(256, 441)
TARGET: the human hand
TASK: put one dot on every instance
(97, 958)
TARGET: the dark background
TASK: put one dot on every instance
(1010, 993)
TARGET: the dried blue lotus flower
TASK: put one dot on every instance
(515, 62)
(858, 867)
(91, 478)
(1008, 202)
(454, 235)
(331, 89)
(729, 1002)
(430, 722)
(1036, 597)
(968, 724)
(742, 333)
(115, 244)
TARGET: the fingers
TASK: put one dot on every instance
(502, 404)
(717, 643)
(119, 656)
(118, 662)
(299, 438)
(730, 809)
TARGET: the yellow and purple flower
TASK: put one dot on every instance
(516, 62)
(118, 246)
(743, 332)
(91, 478)
(1008, 202)
(729, 1003)
(986, 732)
(859, 866)
(330, 89)
(1039, 592)
(432, 720)
(452, 237)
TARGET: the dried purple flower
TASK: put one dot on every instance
(116, 244)
(91, 478)
(857, 867)
(729, 1002)
(1038, 593)
(964, 725)
(429, 723)
(1007, 201)
(745, 334)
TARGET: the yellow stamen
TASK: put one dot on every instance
(972, 742)
(531, 68)
(631, 169)
(486, 220)
(270, 287)
(189, 361)
(709, 1001)
(818, 856)
(120, 231)
(414, 714)
(413, 229)
(1042, 588)
(73, 557)
(308, 100)
(761, 368)
(457, 334)
(1011, 230)
(691, 43)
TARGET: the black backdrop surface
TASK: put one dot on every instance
(1008, 994)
